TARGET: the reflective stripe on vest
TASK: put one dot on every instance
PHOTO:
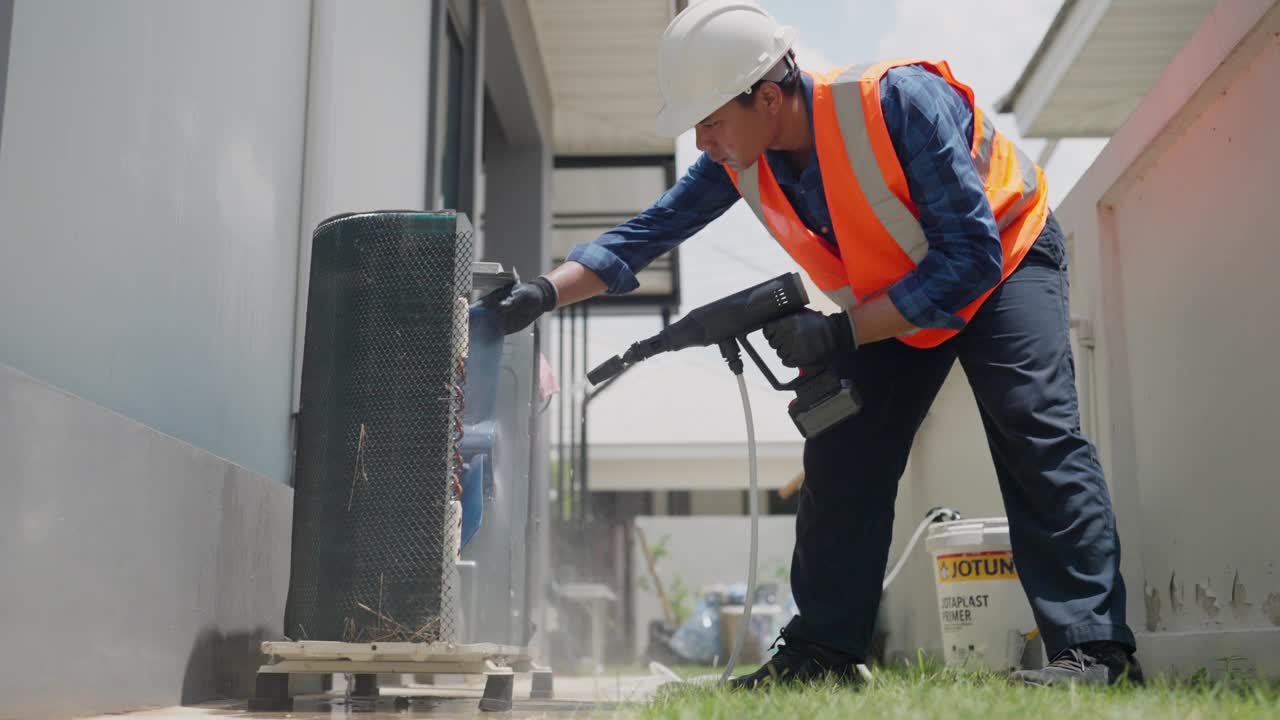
(889, 210)
(878, 234)
(1029, 182)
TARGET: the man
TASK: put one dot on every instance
(902, 202)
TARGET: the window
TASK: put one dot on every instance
(590, 196)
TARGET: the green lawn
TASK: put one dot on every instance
(927, 691)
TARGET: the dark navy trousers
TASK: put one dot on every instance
(1016, 354)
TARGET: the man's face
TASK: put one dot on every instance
(737, 135)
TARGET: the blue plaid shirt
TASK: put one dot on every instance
(930, 125)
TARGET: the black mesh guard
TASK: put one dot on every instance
(378, 429)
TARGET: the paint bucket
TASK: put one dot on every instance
(986, 619)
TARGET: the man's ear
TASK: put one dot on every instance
(771, 95)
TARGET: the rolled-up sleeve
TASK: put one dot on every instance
(931, 128)
(703, 194)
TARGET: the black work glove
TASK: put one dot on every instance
(810, 339)
(520, 304)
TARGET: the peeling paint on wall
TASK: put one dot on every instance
(1272, 608)
(1153, 606)
(1207, 599)
(1176, 594)
(1239, 598)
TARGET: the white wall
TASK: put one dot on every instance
(1196, 300)
(150, 181)
(1178, 404)
(149, 198)
(1176, 245)
(153, 195)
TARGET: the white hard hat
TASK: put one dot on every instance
(710, 53)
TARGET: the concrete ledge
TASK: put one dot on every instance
(139, 571)
(1184, 653)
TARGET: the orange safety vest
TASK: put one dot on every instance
(876, 225)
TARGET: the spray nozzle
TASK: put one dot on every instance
(608, 369)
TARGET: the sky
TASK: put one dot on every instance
(689, 397)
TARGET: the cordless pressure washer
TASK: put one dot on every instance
(822, 399)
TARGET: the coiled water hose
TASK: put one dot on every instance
(753, 504)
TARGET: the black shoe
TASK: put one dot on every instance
(1092, 663)
(798, 661)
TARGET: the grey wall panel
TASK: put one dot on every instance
(518, 206)
(150, 182)
(137, 570)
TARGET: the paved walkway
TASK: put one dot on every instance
(575, 697)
